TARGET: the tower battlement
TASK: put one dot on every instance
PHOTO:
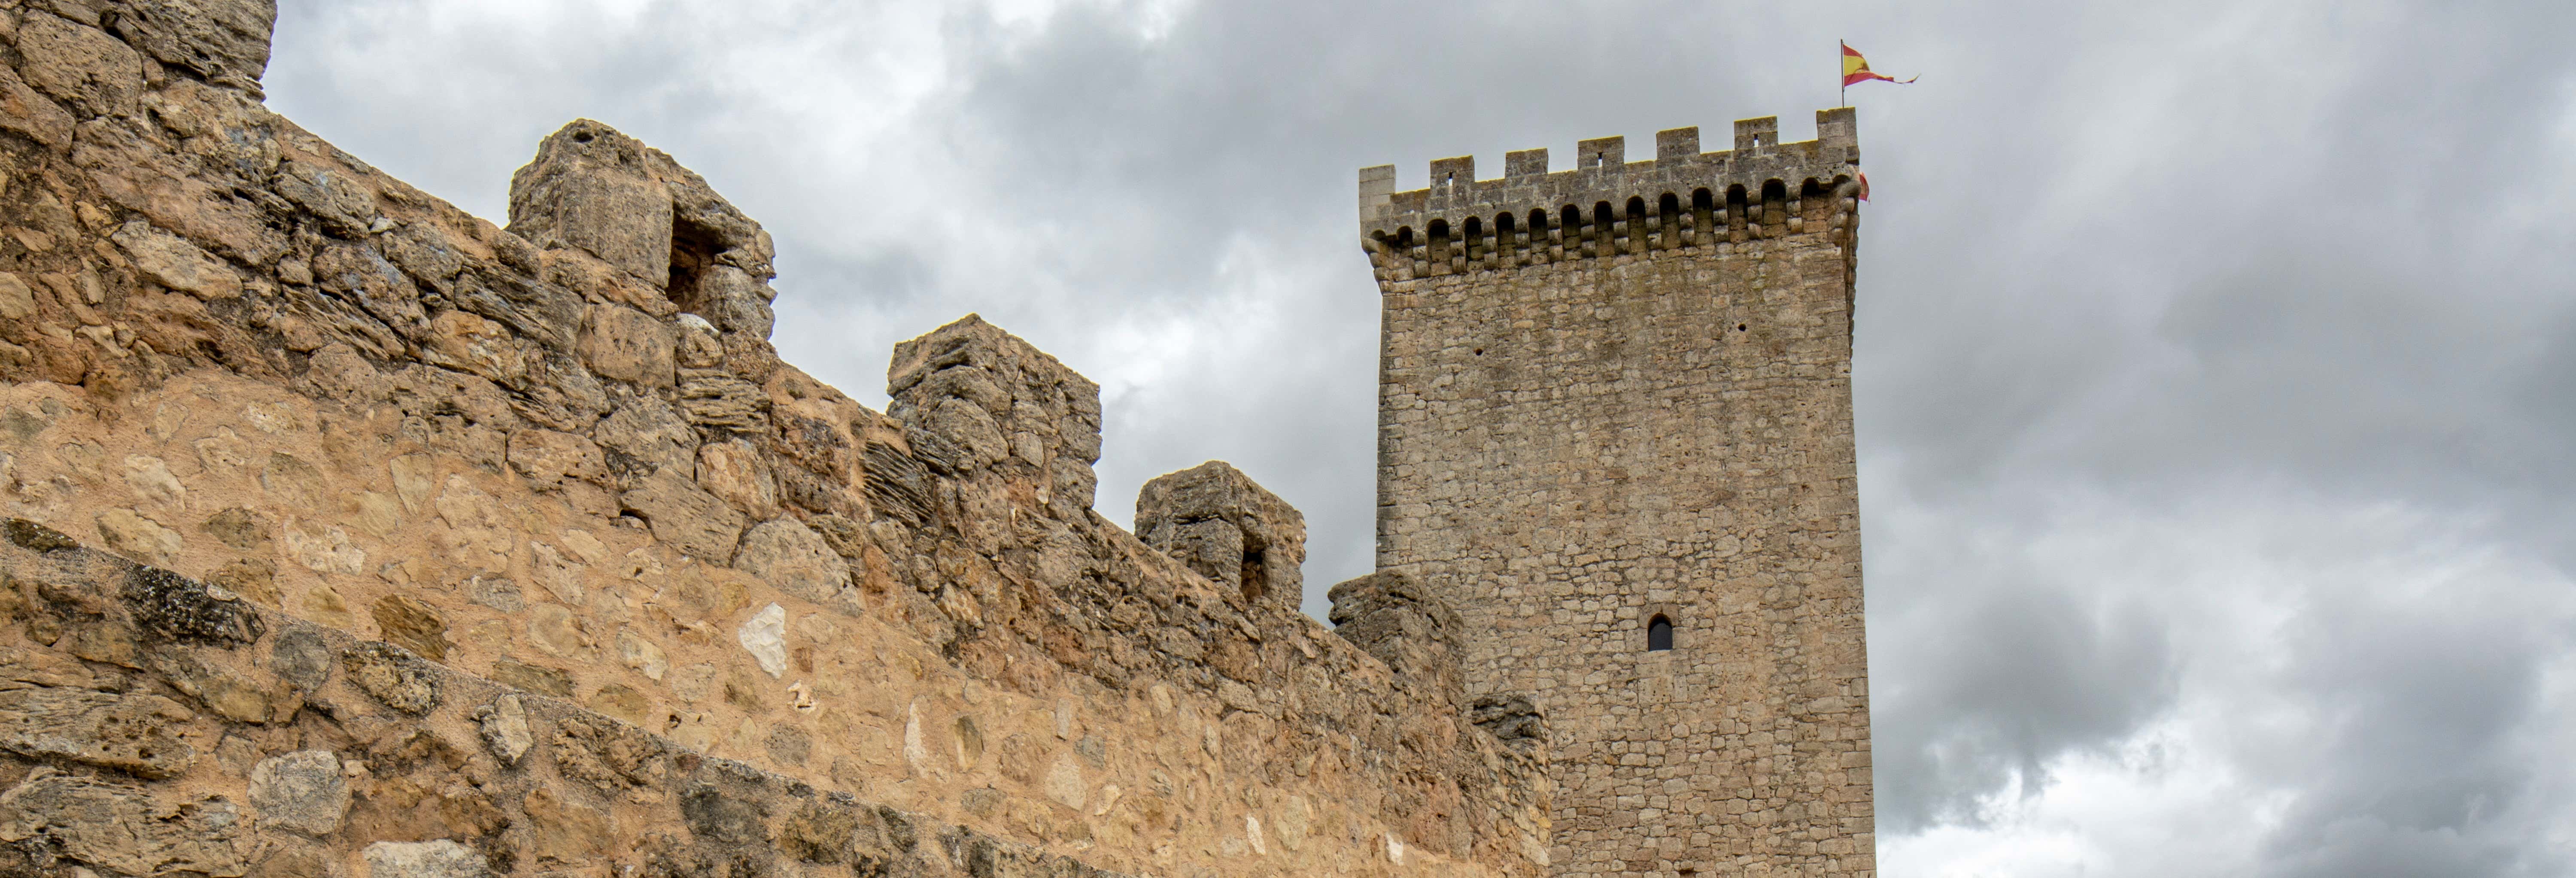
(1607, 205)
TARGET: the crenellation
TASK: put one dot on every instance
(1608, 207)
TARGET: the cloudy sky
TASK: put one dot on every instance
(2216, 370)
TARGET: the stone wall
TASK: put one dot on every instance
(1621, 392)
(561, 463)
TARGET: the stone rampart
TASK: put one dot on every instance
(561, 462)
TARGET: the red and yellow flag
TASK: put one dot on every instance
(1856, 69)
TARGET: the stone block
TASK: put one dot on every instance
(1217, 521)
(1395, 616)
(593, 189)
(988, 400)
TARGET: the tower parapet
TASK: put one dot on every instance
(1606, 205)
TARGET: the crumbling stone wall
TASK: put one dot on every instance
(1224, 527)
(530, 533)
(1622, 392)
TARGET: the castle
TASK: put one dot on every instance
(348, 534)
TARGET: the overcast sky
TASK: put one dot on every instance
(2216, 368)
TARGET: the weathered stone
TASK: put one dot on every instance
(26, 112)
(565, 831)
(552, 629)
(1214, 519)
(764, 635)
(621, 702)
(715, 398)
(699, 346)
(651, 437)
(171, 261)
(819, 834)
(642, 655)
(92, 72)
(1399, 619)
(36, 537)
(504, 724)
(345, 206)
(624, 344)
(126, 732)
(425, 859)
(240, 528)
(389, 675)
(685, 516)
(226, 693)
(361, 275)
(594, 189)
(739, 473)
(715, 817)
(130, 533)
(225, 41)
(303, 791)
(173, 607)
(119, 827)
(549, 457)
(300, 657)
(409, 623)
(1511, 719)
(785, 553)
(533, 678)
(467, 343)
(608, 756)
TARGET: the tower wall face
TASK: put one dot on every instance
(1585, 426)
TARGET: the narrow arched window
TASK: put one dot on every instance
(1659, 634)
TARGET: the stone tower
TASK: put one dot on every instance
(1615, 426)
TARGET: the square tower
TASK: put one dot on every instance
(1615, 428)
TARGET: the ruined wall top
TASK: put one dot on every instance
(559, 470)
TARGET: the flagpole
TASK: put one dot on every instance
(1838, 72)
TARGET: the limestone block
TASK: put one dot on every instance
(1221, 524)
(790, 556)
(591, 188)
(390, 677)
(425, 859)
(25, 111)
(627, 345)
(471, 344)
(740, 474)
(685, 516)
(504, 726)
(550, 456)
(135, 536)
(730, 299)
(172, 262)
(651, 436)
(303, 791)
(346, 206)
(126, 732)
(715, 398)
(79, 65)
(225, 41)
(764, 635)
(1395, 616)
(972, 388)
(120, 827)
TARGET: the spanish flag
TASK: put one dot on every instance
(1856, 69)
